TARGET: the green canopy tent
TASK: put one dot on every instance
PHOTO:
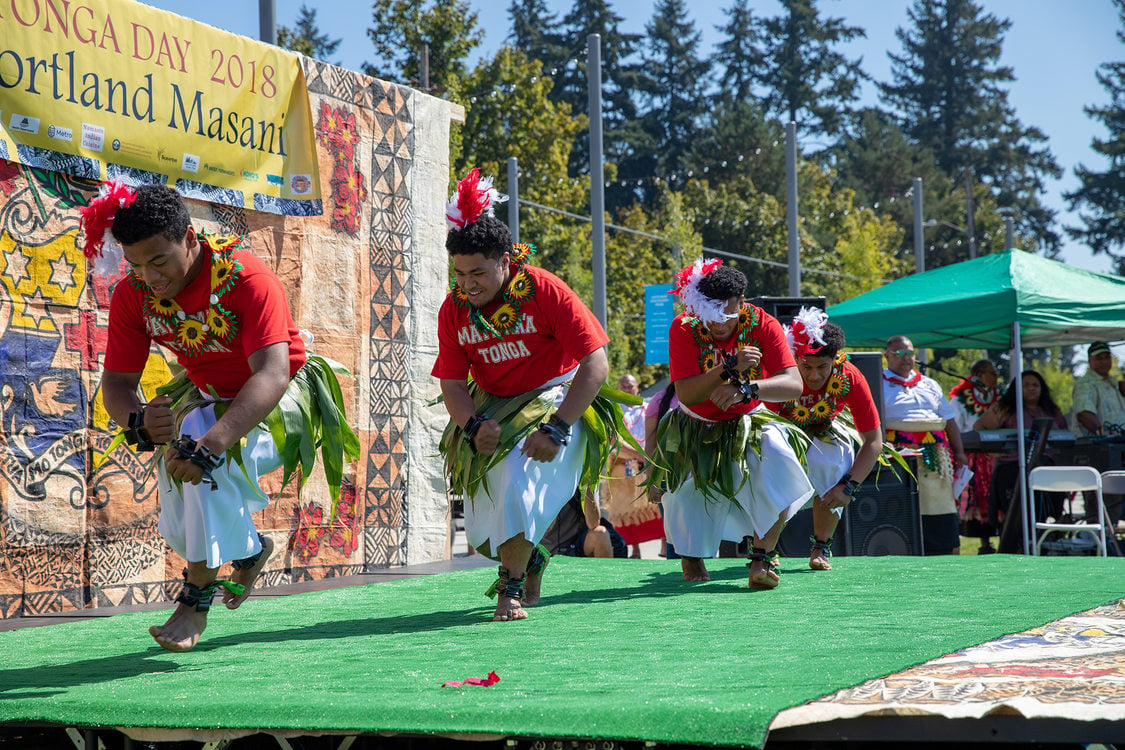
(1008, 300)
(974, 304)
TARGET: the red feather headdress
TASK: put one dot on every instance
(473, 198)
(97, 218)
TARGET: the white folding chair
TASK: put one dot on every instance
(1069, 479)
(1113, 483)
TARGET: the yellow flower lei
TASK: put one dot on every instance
(191, 333)
(828, 406)
(520, 288)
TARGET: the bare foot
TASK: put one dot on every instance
(508, 608)
(247, 576)
(818, 559)
(182, 630)
(762, 575)
(694, 569)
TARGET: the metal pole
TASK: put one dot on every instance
(919, 238)
(514, 197)
(791, 210)
(1027, 503)
(424, 67)
(267, 21)
(969, 213)
(597, 173)
(1009, 233)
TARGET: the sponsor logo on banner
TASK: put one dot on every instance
(93, 137)
(24, 124)
(300, 184)
(274, 179)
(167, 88)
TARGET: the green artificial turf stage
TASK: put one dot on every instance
(618, 649)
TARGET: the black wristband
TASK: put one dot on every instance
(850, 485)
(136, 435)
(470, 429)
(729, 373)
(200, 455)
(749, 390)
(556, 429)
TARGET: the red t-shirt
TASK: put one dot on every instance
(554, 331)
(692, 351)
(857, 398)
(256, 303)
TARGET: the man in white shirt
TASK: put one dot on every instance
(917, 415)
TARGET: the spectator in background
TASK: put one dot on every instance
(1099, 406)
(918, 416)
(631, 516)
(580, 531)
(1037, 403)
(970, 399)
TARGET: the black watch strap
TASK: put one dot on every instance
(136, 435)
(850, 485)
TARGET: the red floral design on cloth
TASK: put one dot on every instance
(345, 529)
(304, 542)
(9, 170)
(336, 131)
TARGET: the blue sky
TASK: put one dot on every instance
(1053, 46)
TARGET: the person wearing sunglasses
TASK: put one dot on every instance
(918, 416)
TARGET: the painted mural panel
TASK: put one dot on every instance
(72, 536)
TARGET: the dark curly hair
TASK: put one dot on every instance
(158, 209)
(487, 235)
(723, 283)
(833, 336)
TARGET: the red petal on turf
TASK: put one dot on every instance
(492, 679)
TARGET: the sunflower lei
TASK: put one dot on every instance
(520, 288)
(710, 355)
(192, 332)
(830, 404)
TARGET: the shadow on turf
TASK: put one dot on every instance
(61, 676)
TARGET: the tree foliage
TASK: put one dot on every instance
(305, 37)
(400, 28)
(948, 92)
(1101, 195)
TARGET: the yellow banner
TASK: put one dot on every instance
(116, 89)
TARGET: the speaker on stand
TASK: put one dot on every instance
(884, 517)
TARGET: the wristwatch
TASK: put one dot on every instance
(850, 485)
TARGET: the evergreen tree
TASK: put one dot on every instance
(509, 113)
(400, 27)
(949, 96)
(740, 55)
(807, 82)
(618, 77)
(670, 88)
(1102, 194)
(305, 38)
(737, 141)
(535, 32)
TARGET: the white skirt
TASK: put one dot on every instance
(777, 488)
(827, 463)
(215, 526)
(525, 496)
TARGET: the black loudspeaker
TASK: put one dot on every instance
(794, 540)
(871, 365)
(784, 308)
(884, 517)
